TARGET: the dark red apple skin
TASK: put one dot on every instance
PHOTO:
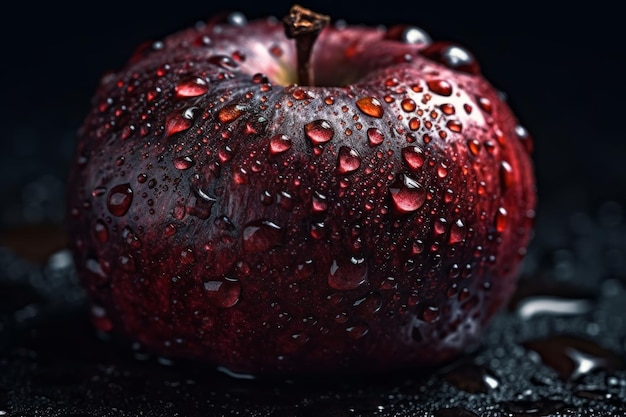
(219, 216)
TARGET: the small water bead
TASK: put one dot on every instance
(319, 131)
(319, 203)
(407, 194)
(261, 236)
(223, 293)
(507, 178)
(429, 314)
(502, 219)
(230, 112)
(455, 126)
(414, 123)
(119, 199)
(413, 156)
(347, 275)
(474, 146)
(370, 106)
(99, 191)
(374, 136)
(348, 160)
(193, 87)
(358, 330)
(485, 104)
(408, 105)
(101, 231)
(440, 87)
(457, 232)
(415, 36)
(177, 122)
(280, 144)
(183, 162)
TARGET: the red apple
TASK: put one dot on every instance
(297, 197)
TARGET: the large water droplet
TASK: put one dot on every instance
(415, 36)
(375, 136)
(348, 160)
(119, 199)
(347, 274)
(279, 144)
(407, 194)
(224, 293)
(413, 156)
(192, 87)
(230, 112)
(183, 162)
(261, 235)
(370, 106)
(441, 87)
(319, 131)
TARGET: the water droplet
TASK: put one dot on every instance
(119, 199)
(502, 219)
(319, 203)
(101, 231)
(453, 56)
(191, 87)
(457, 232)
(414, 123)
(370, 106)
(375, 136)
(474, 146)
(413, 156)
(415, 36)
(358, 330)
(540, 407)
(261, 236)
(176, 122)
(485, 104)
(471, 377)
(224, 293)
(279, 144)
(429, 314)
(348, 160)
(407, 194)
(506, 175)
(441, 87)
(319, 131)
(230, 112)
(454, 125)
(347, 275)
(408, 105)
(183, 162)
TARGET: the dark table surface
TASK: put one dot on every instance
(558, 348)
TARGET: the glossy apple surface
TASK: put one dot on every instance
(220, 211)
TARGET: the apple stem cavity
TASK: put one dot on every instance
(304, 26)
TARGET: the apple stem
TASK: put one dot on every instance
(304, 26)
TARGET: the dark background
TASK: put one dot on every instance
(561, 67)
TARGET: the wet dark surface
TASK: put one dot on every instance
(559, 349)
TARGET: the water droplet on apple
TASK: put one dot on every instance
(119, 199)
(237, 19)
(101, 231)
(176, 122)
(408, 105)
(319, 202)
(370, 106)
(407, 195)
(457, 232)
(347, 275)
(474, 146)
(348, 160)
(413, 156)
(415, 36)
(506, 175)
(502, 219)
(414, 123)
(279, 144)
(441, 87)
(230, 112)
(375, 136)
(319, 131)
(455, 126)
(223, 293)
(191, 87)
(183, 162)
(261, 236)
(429, 314)
(357, 331)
